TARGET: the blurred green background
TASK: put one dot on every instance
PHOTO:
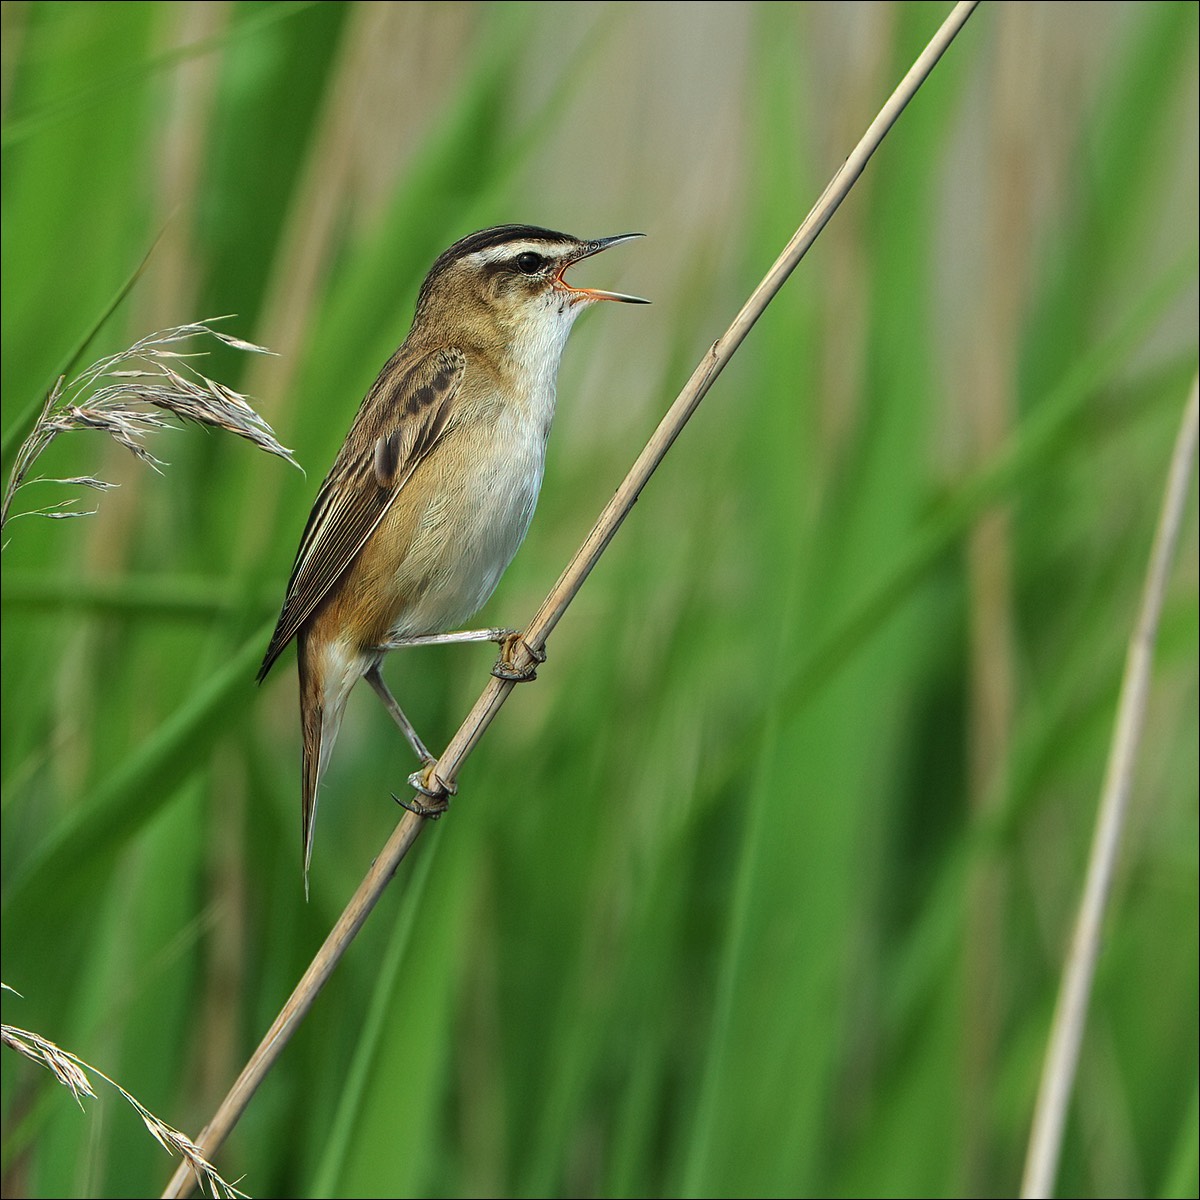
(763, 889)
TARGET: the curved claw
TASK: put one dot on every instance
(427, 782)
(507, 669)
(422, 810)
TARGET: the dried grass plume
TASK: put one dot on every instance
(131, 393)
(72, 1072)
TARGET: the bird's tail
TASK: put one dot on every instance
(324, 686)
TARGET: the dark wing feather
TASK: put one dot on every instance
(400, 421)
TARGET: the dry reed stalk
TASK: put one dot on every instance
(563, 592)
(992, 643)
(1070, 1012)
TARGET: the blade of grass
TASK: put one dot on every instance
(121, 805)
(1185, 1162)
(133, 74)
(1034, 440)
(19, 429)
(379, 1012)
(144, 596)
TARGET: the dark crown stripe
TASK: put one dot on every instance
(485, 239)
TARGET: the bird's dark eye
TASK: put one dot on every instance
(528, 263)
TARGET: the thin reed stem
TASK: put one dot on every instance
(1070, 1013)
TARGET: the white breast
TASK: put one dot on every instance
(472, 528)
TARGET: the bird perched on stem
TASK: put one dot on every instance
(436, 483)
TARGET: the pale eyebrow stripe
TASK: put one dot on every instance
(508, 250)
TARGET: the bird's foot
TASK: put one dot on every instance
(427, 782)
(506, 666)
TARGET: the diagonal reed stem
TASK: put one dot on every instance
(1070, 1012)
(548, 615)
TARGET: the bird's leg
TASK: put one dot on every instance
(447, 639)
(426, 780)
(506, 667)
(375, 679)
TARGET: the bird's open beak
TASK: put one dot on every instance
(590, 248)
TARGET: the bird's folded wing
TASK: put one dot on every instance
(400, 421)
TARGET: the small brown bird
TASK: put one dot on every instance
(433, 491)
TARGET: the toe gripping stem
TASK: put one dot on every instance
(427, 782)
(506, 667)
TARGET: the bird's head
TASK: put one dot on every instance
(509, 281)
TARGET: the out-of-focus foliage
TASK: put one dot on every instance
(763, 888)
